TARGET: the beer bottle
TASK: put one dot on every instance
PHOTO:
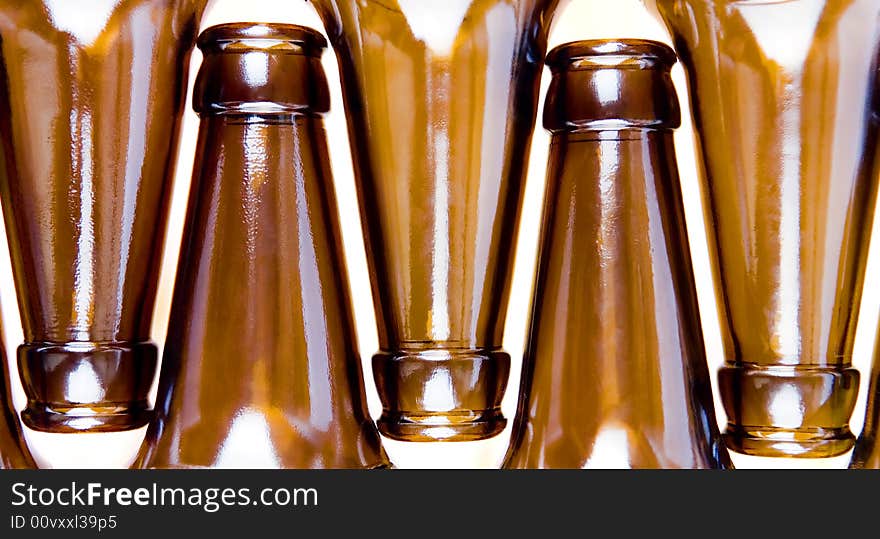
(866, 454)
(91, 99)
(261, 366)
(615, 372)
(781, 94)
(14, 453)
(441, 100)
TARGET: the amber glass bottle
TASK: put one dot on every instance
(781, 95)
(261, 366)
(14, 453)
(615, 370)
(441, 100)
(867, 453)
(91, 99)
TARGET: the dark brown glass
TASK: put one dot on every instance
(91, 100)
(781, 95)
(615, 370)
(261, 366)
(866, 454)
(441, 100)
(14, 453)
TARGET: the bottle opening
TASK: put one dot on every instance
(619, 53)
(611, 85)
(256, 68)
(244, 37)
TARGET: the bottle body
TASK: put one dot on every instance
(866, 454)
(92, 108)
(441, 100)
(14, 453)
(781, 93)
(615, 371)
(261, 366)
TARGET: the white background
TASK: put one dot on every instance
(582, 19)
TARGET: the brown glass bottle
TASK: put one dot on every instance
(91, 103)
(14, 453)
(261, 365)
(866, 454)
(781, 93)
(441, 100)
(615, 371)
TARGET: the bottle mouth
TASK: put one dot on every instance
(244, 37)
(611, 53)
(610, 85)
(256, 68)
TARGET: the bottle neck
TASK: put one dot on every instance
(659, 139)
(613, 99)
(266, 89)
(256, 115)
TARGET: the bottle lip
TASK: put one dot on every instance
(244, 36)
(605, 53)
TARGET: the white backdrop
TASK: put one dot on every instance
(582, 19)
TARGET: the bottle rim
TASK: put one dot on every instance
(243, 37)
(605, 53)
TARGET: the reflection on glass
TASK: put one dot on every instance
(91, 96)
(441, 100)
(782, 95)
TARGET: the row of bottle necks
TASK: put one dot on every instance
(260, 358)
